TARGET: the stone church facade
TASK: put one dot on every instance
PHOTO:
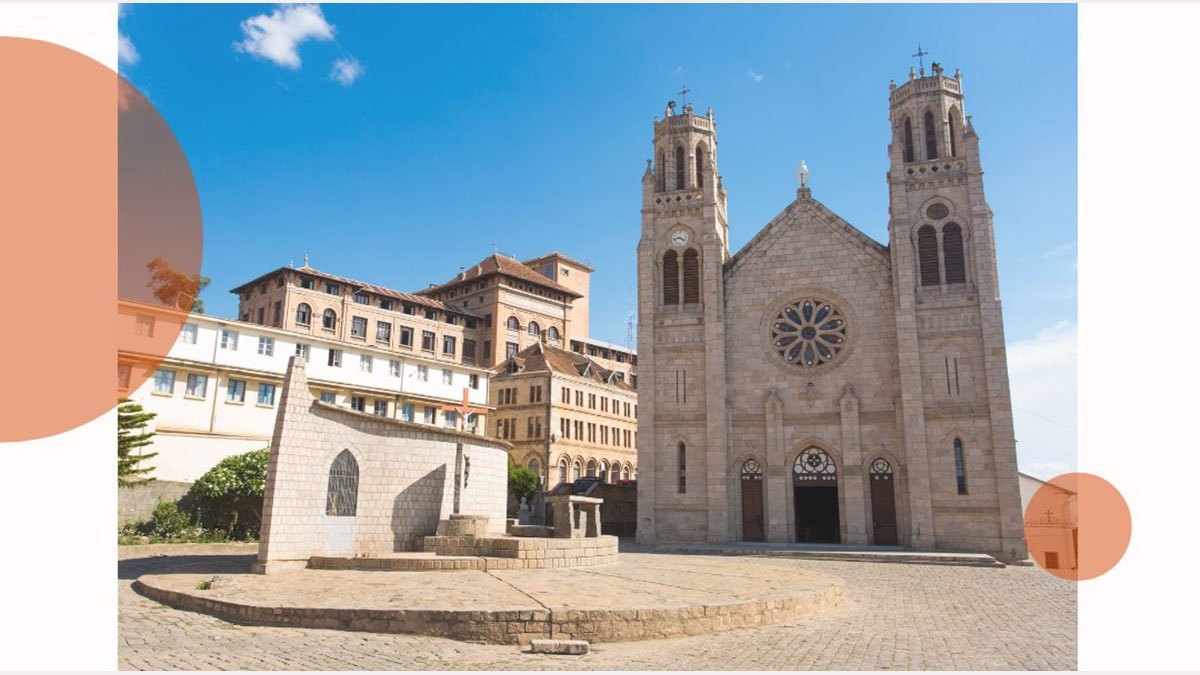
(818, 386)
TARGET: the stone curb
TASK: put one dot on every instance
(911, 558)
(513, 626)
(149, 550)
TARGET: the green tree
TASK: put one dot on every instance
(176, 289)
(229, 496)
(131, 436)
(521, 481)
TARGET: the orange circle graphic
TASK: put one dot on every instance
(1077, 526)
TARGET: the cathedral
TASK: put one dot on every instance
(817, 385)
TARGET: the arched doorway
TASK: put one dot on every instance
(752, 501)
(883, 503)
(815, 497)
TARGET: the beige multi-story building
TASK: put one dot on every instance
(818, 385)
(566, 416)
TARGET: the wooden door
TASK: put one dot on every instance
(883, 503)
(752, 502)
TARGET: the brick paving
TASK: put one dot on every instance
(894, 616)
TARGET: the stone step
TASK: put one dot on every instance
(845, 554)
(415, 562)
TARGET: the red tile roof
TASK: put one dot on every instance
(503, 265)
(540, 357)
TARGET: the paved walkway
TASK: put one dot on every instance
(893, 616)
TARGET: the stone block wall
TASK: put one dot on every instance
(137, 503)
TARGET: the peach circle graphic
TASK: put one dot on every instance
(1077, 526)
(98, 203)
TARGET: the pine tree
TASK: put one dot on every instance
(131, 436)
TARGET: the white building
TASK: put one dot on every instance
(216, 392)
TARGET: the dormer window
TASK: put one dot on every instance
(362, 298)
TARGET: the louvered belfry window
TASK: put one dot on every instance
(908, 143)
(930, 137)
(699, 167)
(660, 172)
(927, 252)
(670, 271)
(691, 277)
(952, 253)
(680, 168)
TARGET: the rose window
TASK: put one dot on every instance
(808, 332)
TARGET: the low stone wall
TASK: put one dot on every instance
(138, 502)
(530, 552)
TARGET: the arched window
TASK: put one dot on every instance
(670, 272)
(908, 142)
(342, 496)
(513, 324)
(660, 172)
(954, 132)
(930, 137)
(614, 473)
(701, 156)
(575, 470)
(534, 329)
(952, 254)
(603, 475)
(329, 320)
(536, 467)
(682, 468)
(927, 251)
(562, 470)
(691, 277)
(680, 168)
(591, 468)
(625, 472)
(552, 332)
(960, 469)
(303, 314)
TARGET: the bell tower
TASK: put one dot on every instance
(681, 324)
(954, 403)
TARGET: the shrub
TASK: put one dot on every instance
(521, 482)
(170, 522)
(229, 497)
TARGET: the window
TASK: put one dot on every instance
(510, 350)
(394, 368)
(468, 350)
(406, 413)
(262, 315)
(682, 468)
(342, 494)
(592, 401)
(691, 277)
(358, 327)
(431, 314)
(383, 332)
(534, 329)
(953, 133)
(536, 467)
(266, 394)
(277, 313)
(266, 346)
(670, 272)
(660, 178)
(365, 362)
(408, 309)
(512, 323)
(329, 320)
(447, 376)
(406, 336)
(358, 403)
(471, 324)
(303, 314)
(566, 395)
(164, 381)
(328, 397)
(428, 340)
(362, 298)
(335, 358)
(576, 469)
(235, 391)
(473, 380)
(930, 137)
(625, 472)
(423, 373)
(451, 319)
(188, 334)
(927, 252)
(552, 333)
(430, 414)
(908, 140)
(307, 283)
(381, 408)
(680, 168)
(700, 157)
(385, 304)
(197, 385)
(960, 469)
(302, 350)
(535, 394)
(229, 339)
(579, 398)
(952, 254)
(449, 344)
(450, 418)
(331, 289)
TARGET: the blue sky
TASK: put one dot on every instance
(394, 144)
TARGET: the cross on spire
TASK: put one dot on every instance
(920, 55)
(683, 95)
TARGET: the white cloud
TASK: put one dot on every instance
(1043, 376)
(754, 76)
(126, 52)
(346, 70)
(276, 36)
